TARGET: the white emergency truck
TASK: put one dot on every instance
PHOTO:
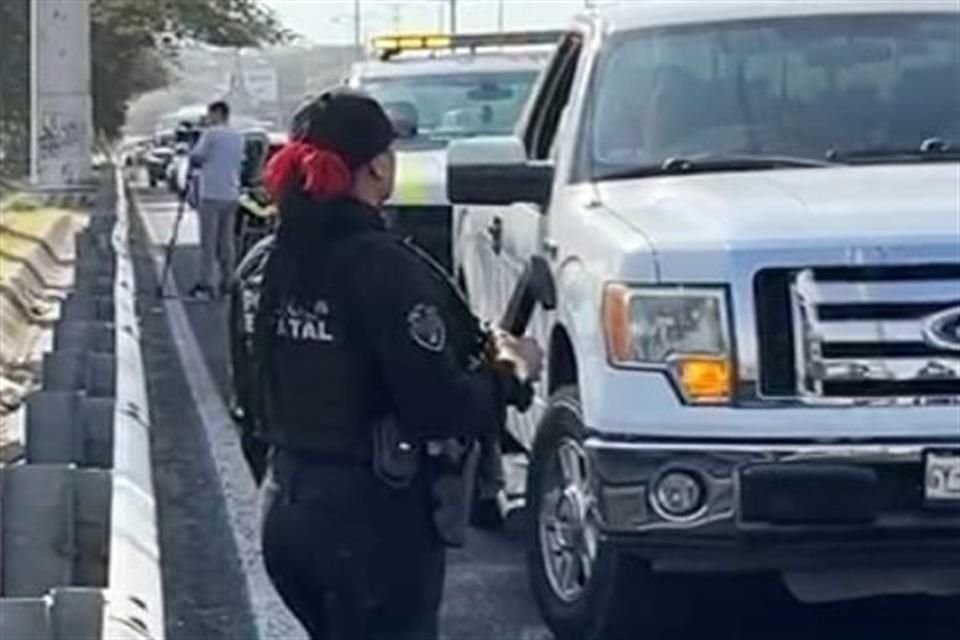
(751, 213)
(440, 88)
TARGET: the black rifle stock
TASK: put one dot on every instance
(535, 286)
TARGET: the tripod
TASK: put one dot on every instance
(171, 244)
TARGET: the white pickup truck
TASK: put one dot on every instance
(751, 213)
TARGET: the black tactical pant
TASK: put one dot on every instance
(255, 452)
(352, 558)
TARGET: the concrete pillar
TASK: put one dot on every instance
(61, 104)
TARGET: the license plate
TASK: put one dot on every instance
(942, 477)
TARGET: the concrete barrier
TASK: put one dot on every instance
(55, 529)
(37, 258)
(89, 443)
(63, 613)
(135, 606)
(79, 554)
(85, 335)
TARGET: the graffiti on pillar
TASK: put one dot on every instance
(63, 133)
(62, 144)
(57, 134)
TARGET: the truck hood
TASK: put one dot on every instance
(421, 178)
(840, 215)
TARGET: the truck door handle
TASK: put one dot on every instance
(551, 248)
(495, 231)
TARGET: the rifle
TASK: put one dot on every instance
(454, 463)
(534, 287)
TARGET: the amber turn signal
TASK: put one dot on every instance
(616, 323)
(705, 379)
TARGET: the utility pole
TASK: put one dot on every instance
(396, 17)
(357, 44)
(34, 93)
(453, 17)
(61, 109)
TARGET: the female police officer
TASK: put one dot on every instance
(357, 330)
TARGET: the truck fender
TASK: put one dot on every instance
(578, 315)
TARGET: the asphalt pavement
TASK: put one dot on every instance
(215, 587)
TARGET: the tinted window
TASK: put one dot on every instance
(553, 99)
(451, 106)
(787, 86)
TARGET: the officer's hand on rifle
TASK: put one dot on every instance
(523, 355)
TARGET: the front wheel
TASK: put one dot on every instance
(585, 589)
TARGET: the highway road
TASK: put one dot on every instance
(209, 508)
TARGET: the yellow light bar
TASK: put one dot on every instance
(412, 42)
(391, 45)
(438, 42)
(386, 44)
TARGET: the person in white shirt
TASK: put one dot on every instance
(219, 154)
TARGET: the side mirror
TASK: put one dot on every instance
(495, 171)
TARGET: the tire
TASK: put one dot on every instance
(621, 597)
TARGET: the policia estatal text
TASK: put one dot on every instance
(368, 363)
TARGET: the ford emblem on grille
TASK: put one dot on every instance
(943, 330)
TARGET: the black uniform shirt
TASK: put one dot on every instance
(359, 326)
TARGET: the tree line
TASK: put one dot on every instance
(133, 46)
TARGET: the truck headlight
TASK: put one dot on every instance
(681, 330)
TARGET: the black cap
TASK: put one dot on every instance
(348, 122)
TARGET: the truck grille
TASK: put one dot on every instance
(859, 332)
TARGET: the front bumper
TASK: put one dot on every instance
(777, 506)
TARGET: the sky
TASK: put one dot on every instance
(331, 21)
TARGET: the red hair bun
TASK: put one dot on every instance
(321, 173)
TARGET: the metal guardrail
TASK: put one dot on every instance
(79, 555)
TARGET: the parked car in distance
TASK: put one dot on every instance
(158, 157)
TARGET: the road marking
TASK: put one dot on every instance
(162, 218)
(272, 619)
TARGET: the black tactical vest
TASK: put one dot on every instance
(319, 386)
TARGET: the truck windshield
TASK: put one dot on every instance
(443, 107)
(811, 87)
